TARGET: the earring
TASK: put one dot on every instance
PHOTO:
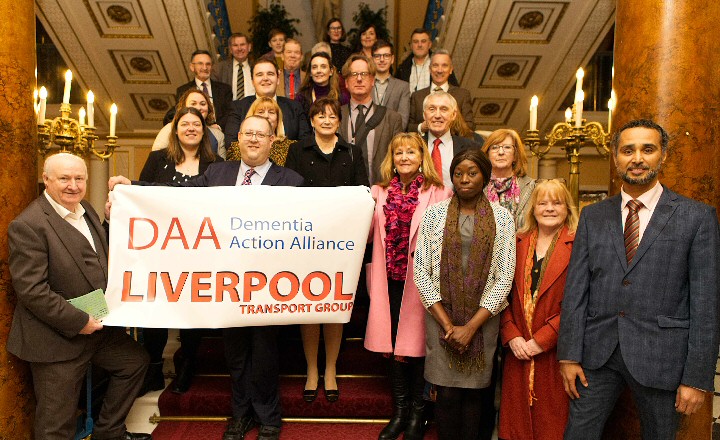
(395, 170)
(420, 169)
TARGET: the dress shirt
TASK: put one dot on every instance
(379, 90)
(298, 81)
(370, 138)
(420, 75)
(257, 177)
(76, 219)
(649, 199)
(199, 84)
(445, 87)
(247, 74)
(446, 155)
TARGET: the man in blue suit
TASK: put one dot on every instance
(641, 298)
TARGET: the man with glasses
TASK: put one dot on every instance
(265, 80)
(439, 111)
(366, 124)
(441, 68)
(221, 94)
(390, 92)
(251, 352)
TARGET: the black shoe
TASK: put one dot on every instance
(184, 376)
(154, 379)
(134, 436)
(415, 429)
(237, 428)
(268, 433)
(400, 389)
(310, 395)
(332, 395)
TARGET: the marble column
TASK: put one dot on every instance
(666, 62)
(98, 175)
(18, 187)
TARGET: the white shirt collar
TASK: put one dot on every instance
(63, 211)
(649, 198)
(445, 86)
(260, 170)
(445, 138)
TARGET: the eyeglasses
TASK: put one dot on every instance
(259, 136)
(359, 75)
(335, 28)
(505, 148)
(380, 56)
(202, 64)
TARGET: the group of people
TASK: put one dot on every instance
(468, 254)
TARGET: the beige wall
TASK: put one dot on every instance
(409, 14)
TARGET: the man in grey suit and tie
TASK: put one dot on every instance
(58, 251)
(369, 126)
(236, 70)
(641, 298)
(390, 92)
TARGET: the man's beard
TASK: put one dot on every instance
(649, 177)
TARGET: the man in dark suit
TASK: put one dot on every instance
(440, 110)
(58, 251)
(641, 298)
(440, 69)
(390, 92)
(265, 80)
(220, 93)
(291, 77)
(236, 71)
(369, 126)
(415, 68)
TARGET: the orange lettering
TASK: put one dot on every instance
(198, 285)
(206, 222)
(180, 237)
(126, 296)
(230, 288)
(294, 286)
(173, 294)
(131, 240)
(326, 286)
(249, 287)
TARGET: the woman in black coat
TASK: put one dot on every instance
(325, 160)
(187, 156)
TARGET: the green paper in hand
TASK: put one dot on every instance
(92, 303)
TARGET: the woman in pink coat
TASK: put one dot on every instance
(396, 322)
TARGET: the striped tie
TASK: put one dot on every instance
(240, 85)
(248, 175)
(632, 229)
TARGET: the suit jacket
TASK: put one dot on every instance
(396, 97)
(159, 169)
(389, 126)
(50, 262)
(295, 119)
(661, 308)
(405, 70)
(461, 95)
(223, 72)
(281, 84)
(221, 95)
(550, 410)
(410, 340)
(226, 174)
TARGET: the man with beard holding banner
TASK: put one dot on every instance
(251, 352)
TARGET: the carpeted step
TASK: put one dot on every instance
(360, 397)
(290, 431)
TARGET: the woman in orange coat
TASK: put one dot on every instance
(534, 404)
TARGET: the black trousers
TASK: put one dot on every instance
(253, 359)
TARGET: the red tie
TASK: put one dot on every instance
(436, 157)
(632, 229)
(292, 85)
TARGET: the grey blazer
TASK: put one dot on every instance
(396, 97)
(223, 72)
(51, 262)
(662, 308)
(389, 126)
(461, 95)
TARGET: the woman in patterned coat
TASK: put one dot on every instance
(464, 266)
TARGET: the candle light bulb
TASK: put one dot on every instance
(43, 93)
(42, 106)
(580, 74)
(90, 97)
(113, 118)
(533, 112)
(534, 101)
(68, 82)
(91, 108)
(611, 104)
(568, 114)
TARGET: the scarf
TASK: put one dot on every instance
(399, 209)
(530, 298)
(505, 191)
(461, 292)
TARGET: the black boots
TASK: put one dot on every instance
(154, 378)
(415, 429)
(400, 388)
(185, 372)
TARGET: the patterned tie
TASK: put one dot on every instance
(248, 175)
(632, 229)
(292, 85)
(436, 157)
(240, 85)
(205, 89)
(437, 89)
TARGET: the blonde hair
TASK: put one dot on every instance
(497, 136)
(262, 102)
(557, 190)
(411, 140)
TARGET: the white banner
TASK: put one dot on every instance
(235, 256)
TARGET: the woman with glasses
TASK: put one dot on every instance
(269, 109)
(335, 36)
(509, 185)
(534, 404)
(322, 82)
(325, 159)
(187, 156)
(464, 266)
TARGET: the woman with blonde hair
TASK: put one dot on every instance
(269, 109)
(534, 405)
(395, 325)
(509, 184)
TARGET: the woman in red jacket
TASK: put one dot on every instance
(534, 404)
